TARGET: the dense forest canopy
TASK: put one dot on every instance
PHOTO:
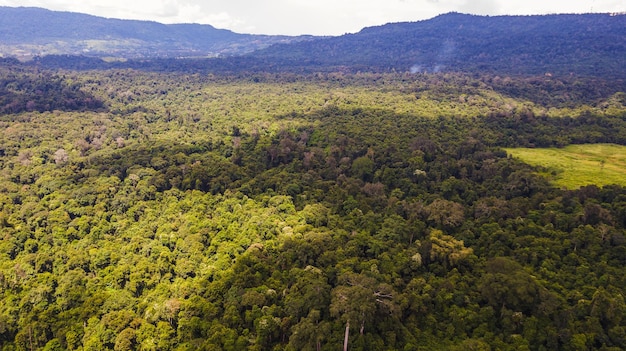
(292, 212)
(23, 89)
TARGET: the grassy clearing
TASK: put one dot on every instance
(577, 165)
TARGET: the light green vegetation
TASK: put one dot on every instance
(578, 165)
(270, 212)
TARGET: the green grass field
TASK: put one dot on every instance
(577, 165)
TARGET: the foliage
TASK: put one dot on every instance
(277, 212)
(589, 45)
(24, 89)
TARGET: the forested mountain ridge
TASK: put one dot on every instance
(590, 45)
(27, 31)
(587, 44)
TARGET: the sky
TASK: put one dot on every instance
(316, 17)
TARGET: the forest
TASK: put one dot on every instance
(144, 210)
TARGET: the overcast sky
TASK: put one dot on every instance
(318, 17)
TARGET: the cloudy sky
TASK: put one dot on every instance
(318, 17)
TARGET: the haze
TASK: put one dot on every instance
(321, 17)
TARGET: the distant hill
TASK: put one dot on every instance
(28, 31)
(588, 44)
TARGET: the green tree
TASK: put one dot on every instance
(446, 249)
(358, 299)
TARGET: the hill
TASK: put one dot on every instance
(589, 44)
(28, 31)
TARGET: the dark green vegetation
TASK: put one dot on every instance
(271, 212)
(23, 89)
(29, 31)
(588, 45)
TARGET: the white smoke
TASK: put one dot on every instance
(444, 56)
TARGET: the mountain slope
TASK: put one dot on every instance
(591, 44)
(34, 31)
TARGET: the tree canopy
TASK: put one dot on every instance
(302, 212)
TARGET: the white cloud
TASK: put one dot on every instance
(330, 17)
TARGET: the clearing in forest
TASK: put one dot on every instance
(578, 165)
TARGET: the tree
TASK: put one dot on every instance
(507, 285)
(448, 214)
(125, 340)
(446, 249)
(358, 299)
(61, 156)
(609, 307)
(310, 332)
(363, 168)
(310, 291)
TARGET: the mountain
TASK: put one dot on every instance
(28, 31)
(591, 45)
(588, 44)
